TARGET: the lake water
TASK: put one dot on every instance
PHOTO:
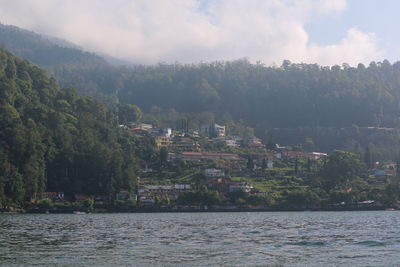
(199, 239)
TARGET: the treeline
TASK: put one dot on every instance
(319, 100)
(238, 93)
(378, 144)
(54, 140)
(292, 95)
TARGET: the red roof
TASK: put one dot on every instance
(82, 197)
(199, 154)
(192, 153)
(221, 154)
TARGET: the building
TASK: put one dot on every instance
(318, 155)
(232, 142)
(226, 185)
(82, 197)
(167, 187)
(125, 195)
(213, 130)
(162, 141)
(160, 132)
(296, 154)
(212, 173)
(148, 193)
(255, 143)
(54, 196)
(139, 132)
(240, 187)
(199, 156)
(219, 184)
(144, 126)
(183, 143)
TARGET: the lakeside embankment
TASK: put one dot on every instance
(199, 209)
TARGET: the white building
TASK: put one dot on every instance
(212, 173)
(161, 132)
(240, 187)
(213, 130)
(318, 155)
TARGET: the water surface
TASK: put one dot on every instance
(198, 239)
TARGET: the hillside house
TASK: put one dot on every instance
(54, 196)
(318, 155)
(160, 132)
(82, 197)
(255, 143)
(125, 195)
(219, 184)
(213, 130)
(162, 141)
(183, 143)
(147, 193)
(240, 187)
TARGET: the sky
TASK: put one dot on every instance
(326, 32)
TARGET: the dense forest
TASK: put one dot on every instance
(52, 139)
(311, 106)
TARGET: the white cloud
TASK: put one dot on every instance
(356, 47)
(190, 31)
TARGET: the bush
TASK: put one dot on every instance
(45, 203)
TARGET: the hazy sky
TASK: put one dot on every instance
(149, 31)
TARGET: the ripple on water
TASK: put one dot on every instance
(199, 239)
(308, 243)
(371, 243)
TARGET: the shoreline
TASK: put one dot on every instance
(196, 210)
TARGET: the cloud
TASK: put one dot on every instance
(356, 47)
(189, 31)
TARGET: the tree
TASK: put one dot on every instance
(163, 156)
(45, 203)
(392, 190)
(340, 168)
(88, 204)
(264, 164)
(309, 165)
(17, 187)
(250, 163)
(302, 198)
(128, 113)
(54, 140)
(368, 157)
(296, 166)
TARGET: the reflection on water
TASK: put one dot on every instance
(170, 239)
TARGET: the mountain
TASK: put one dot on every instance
(312, 106)
(72, 66)
(43, 50)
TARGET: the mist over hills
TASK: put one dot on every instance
(42, 50)
(313, 102)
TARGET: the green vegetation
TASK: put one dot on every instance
(54, 140)
(341, 180)
(318, 108)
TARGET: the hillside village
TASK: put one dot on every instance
(216, 171)
(210, 169)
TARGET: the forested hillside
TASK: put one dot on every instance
(289, 96)
(62, 59)
(316, 104)
(54, 140)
